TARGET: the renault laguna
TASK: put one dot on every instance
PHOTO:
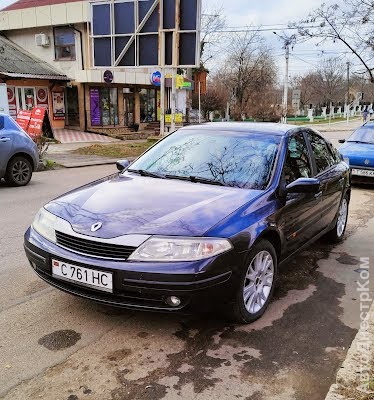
(203, 218)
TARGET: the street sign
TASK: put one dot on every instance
(146, 33)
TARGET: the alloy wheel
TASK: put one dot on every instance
(258, 282)
(21, 172)
(342, 217)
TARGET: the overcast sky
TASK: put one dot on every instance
(272, 14)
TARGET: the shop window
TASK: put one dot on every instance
(64, 44)
(104, 106)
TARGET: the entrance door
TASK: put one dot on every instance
(26, 98)
(129, 105)
(72, 107)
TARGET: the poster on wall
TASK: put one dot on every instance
(11, 90)
(42, 97)
(58, 106)
(95, 107)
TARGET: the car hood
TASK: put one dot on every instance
(359, 154)
(131, 204)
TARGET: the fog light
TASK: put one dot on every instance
(173, 301)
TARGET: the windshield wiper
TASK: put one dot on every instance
(195, 179)
(358, 141)
(150, 174)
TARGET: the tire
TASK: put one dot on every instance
(252, 296)
(336, 234)
(18, 172)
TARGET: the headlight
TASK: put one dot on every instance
(164, 249)
(44, 224)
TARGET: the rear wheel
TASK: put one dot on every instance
(337, 233)
(19, 171)
(256, 285)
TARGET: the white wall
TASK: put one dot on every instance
(25, 38)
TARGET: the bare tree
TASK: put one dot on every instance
(330, 83)
(249, 70)
(350, 23)
(212, 24)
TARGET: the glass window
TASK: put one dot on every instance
(297, 162)
(233, 158)
(322, 154)
(64, 43)
(104, 106)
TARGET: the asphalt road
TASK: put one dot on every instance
(56, 346)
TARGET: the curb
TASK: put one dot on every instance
(351, 380)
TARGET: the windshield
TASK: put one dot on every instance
(365, 134)
(236, 159)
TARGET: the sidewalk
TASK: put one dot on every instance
(355, 379)
(337, 126)
(76, 136)
(63, 155)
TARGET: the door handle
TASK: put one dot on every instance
(4, 139)
(318, 195)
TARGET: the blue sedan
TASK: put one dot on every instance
(19, 155)
(203, 218)
(358, 151)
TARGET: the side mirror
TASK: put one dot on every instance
(122, 165)
(341, 140)
(304, 185)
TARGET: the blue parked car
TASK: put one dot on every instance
(19, 155)
(358, 150)
(202, 218)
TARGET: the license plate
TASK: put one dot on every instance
(83, 276)
(363, 172)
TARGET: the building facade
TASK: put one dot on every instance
(58, 32)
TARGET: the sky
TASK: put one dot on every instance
(272, 14)
(275, 15)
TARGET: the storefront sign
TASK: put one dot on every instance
(11, 90)
(108, 76)
(35, 128)
(58, 105)
(156, 78)
(95, 107)
(178, 118)
(23, 119)
(179, 81)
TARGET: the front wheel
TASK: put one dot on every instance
(337, 233)
(256, 285)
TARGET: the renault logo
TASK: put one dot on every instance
(95, 227)
(367, 162)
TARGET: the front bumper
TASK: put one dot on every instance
(141, 285)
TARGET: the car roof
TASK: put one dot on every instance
(249, 127)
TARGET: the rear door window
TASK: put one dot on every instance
(322, 154)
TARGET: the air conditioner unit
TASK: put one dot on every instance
(41, 39)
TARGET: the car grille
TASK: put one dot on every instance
(93, 248)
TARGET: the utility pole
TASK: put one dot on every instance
(348, 87)
(285, 89)
(288, 42)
